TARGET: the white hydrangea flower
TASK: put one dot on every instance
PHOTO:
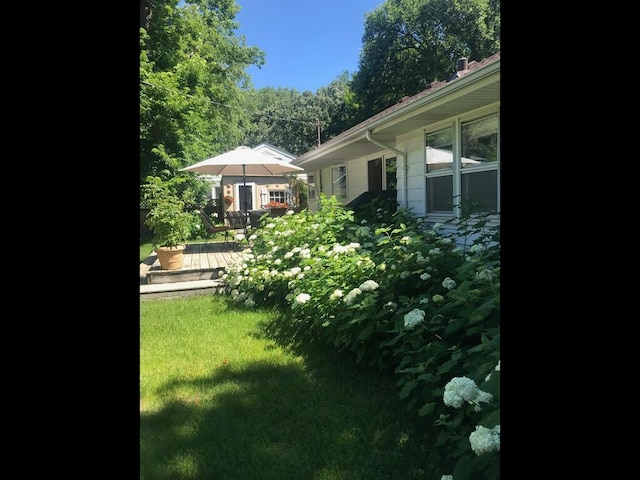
(485, 440)
(477, 248)
(405, 274)
(446, 477)
(391, 306)
(413, 318)
(485, 274)
(449, 283)
(425, 276)
(240, 236)
(462, 389)
(290, 212)
(369, 286)
(249, 302)
(336, 294)
(435, 251)
(437, 298)
(351, 296)
(302, 298)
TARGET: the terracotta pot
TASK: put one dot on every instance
(170, 258)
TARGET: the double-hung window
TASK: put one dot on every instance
(462, 167)
(311, 185)
(339, 182)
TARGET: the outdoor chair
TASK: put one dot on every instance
(236, 220)
(211, 228)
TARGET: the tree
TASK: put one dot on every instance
(193, 83)
(407, 44)
(293, 120)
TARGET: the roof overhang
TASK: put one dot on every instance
(476, 89)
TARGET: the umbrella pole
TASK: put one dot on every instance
(244, 182)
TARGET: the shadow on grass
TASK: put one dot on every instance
(315, 418)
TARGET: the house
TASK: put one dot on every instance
(257, 191)
(439, 149)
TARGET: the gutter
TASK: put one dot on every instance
(399, 153)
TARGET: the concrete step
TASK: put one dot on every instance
(179, 289)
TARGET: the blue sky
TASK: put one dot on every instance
(307, 44)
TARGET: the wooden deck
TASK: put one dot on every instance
(198, 257)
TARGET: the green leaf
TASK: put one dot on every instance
(455, 325)
(463, 469)
(426, 409)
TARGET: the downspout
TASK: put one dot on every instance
(398, 153)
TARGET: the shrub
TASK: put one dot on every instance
(399, 297)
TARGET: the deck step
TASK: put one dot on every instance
(180, 289)
(174, 276)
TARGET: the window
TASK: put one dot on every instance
(390, 173)
(439, 158)
(479, 146)
(276, 196)
(311, 184)
(339, 182)
(470, 175)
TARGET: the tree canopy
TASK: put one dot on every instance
(294, 120)
(193, 83)
(407, 44)
(196, 98)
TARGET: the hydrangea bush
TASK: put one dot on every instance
(400, 297)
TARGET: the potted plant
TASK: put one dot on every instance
(169, 222)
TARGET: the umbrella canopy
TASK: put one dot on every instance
(438, 159)
(437, 155)
(243, 161)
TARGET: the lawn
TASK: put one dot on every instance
(221, 399)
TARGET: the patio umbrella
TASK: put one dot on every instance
(243, 161)
(439, 158)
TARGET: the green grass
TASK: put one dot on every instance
(145, 250)
(220, 399)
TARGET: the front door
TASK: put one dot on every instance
(246, 197)
(374, 168)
